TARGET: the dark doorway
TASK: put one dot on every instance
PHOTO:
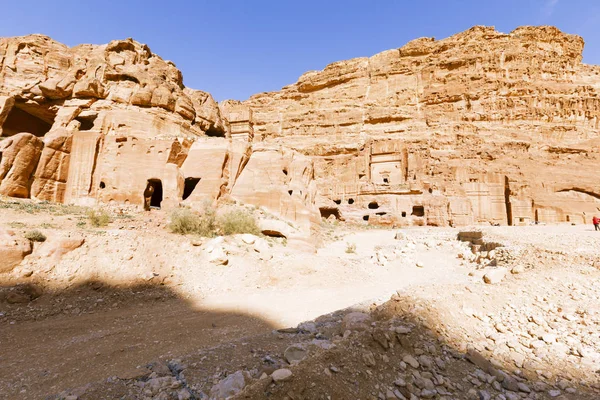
(327, 212)
(189, 186)
(509, 217)
(373, 205)
(153, 194)
(418, 211)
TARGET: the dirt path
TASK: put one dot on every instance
(43, 353)
(39, 358)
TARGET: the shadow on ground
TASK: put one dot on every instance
(53, 341)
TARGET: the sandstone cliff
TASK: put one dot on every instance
(481, 127)
(104, 124)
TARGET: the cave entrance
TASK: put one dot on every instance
(327, 212)
(19, 120)
(153, 195)
(418, 211)
(188, 187)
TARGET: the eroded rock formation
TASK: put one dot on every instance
(481, 127)
(108, 124)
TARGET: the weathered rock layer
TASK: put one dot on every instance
(481, 127)
(115, 124)
(478, 127)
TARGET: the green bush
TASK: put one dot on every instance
(35, 236)
(98, 218)
(184, 221)
(238, 221)
(350, 248)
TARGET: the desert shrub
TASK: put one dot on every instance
(184, 221)
(98, 218)
(238, 221)
(35, 236)
(350, 248)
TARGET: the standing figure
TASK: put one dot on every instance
(596, 222)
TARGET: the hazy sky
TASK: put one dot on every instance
(234, 49)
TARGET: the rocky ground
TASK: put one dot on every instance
(137, 312)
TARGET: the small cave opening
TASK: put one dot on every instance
(365, 217)
(403, 214)
(213, 131)
(327, 212)
(188, 187)
(20, 120)
(87, 122)
(102, 185)
(381, 213)
(337, 201)
(418, 211)
(373, 205)
(350, 201)
(285, 171)
(386, 180)
(430, 190)
(290, 192)
(153, 195)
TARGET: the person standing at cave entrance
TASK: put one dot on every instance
(596, 222)
(148, 196)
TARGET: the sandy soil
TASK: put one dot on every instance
(134, 293)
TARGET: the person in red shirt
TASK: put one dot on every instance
(596, 222)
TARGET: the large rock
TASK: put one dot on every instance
(228, 387)
(56, 247)
(494, 275)
(13, 250)
(19, 155)
(356, 321)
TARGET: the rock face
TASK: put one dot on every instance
(20, 154)
(115, 124)
(481, 127)
(12, 250)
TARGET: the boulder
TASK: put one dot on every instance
(218, 256)
(356, 321)
(228, 387)
(19, 156)
(55, 248)
(295, 353)
(494, 275)
(281, 375)
(276, 228)
(13, 250)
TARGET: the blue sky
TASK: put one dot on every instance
(236, 48)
